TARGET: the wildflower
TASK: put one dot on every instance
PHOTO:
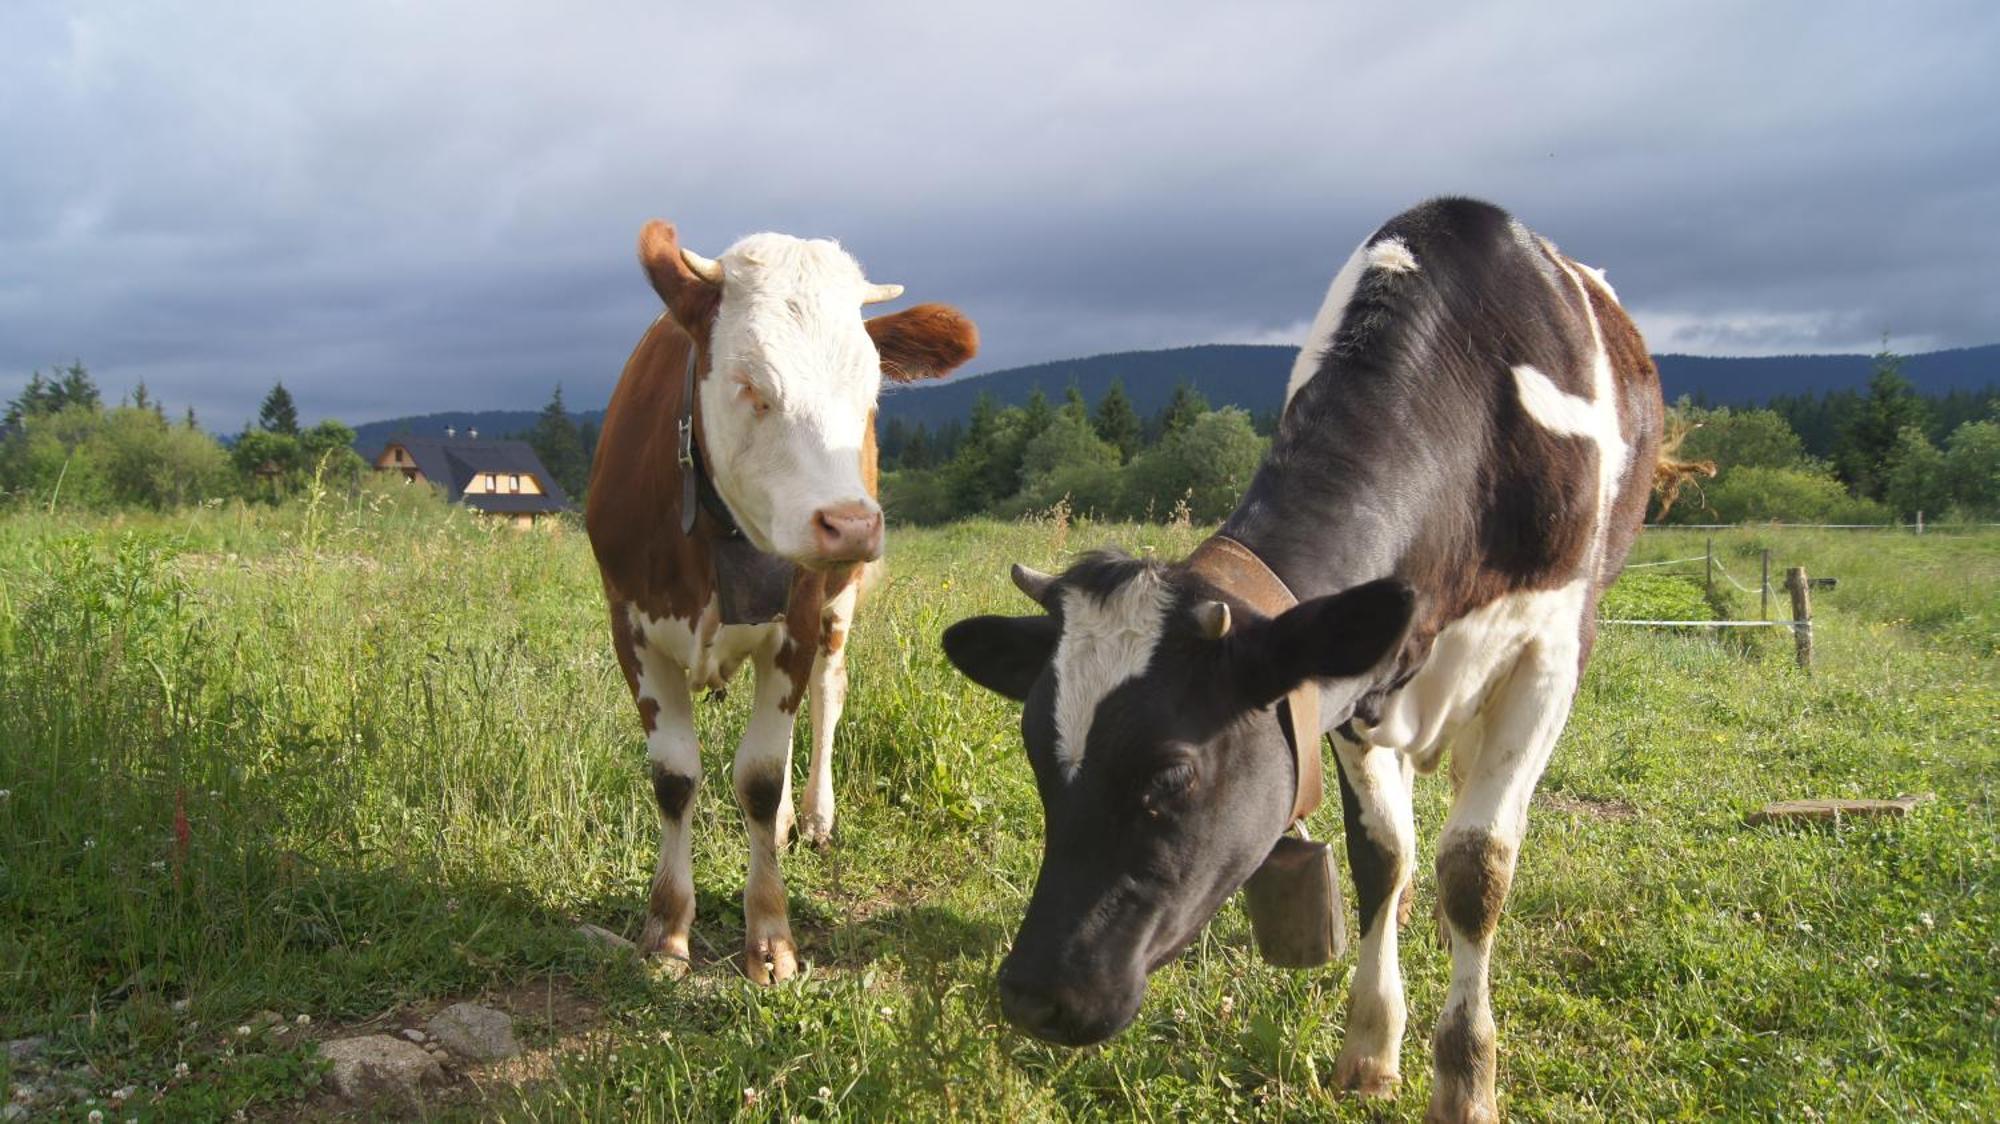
(242, 1032)
(825, 1093)
(304, 1019)
(749, 1097)
(96, 1116)
(181, 1070)
(5, 793)
(1926, 919)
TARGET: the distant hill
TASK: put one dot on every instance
(1253, 377)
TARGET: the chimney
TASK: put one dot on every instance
(451, 431)
(473, 434)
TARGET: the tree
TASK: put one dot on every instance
(1892, 405)
(269, 462)
(560, 445)
(1972, 468)
(328, 449)
(1738, 437)
(1182, 409)
(38, 397)
(279, 414)
(1206, 465)
(1074, 407)
(1037, 414)
(1068, 460)
(986, 469)
(917, 449)
(1913, 476)
(1117, 423)
(76, 388)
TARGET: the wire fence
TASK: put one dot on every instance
(1796, 583)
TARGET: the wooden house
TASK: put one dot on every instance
(503, 479)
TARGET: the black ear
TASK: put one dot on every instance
(1002, 654)
(1325, 638)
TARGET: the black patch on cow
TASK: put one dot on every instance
(751, 587)
(760, 793)
(1462, 1053)
(671, 791)
(1474, 872)
(1374, 866)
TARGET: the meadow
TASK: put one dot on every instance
(354, 759)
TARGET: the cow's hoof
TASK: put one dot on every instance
(1459, 1111)
(1367, 1077)
(816, 834)
(667, 966)
(770, 961)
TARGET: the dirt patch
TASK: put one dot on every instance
(1617, 811)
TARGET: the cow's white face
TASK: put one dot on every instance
(789, 397)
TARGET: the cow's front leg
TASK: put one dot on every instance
(829, 697)
(666, 709)
(1382, 851)
(763, 788)
(1476, 854)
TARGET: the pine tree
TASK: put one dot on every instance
(1871, 432)
(556, 440)
(279, 414)
(34, 399)
(189, 419)
(75, 388)
(1037, 415)
(1074, 407)
(917, 450)
(1186, 406)
(1117, 423)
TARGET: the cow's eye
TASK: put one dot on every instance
(747, 392)
(1166, 785)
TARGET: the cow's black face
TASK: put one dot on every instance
(1164, 773)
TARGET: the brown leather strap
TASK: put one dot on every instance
(1233, 568)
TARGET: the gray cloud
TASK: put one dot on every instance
(404, 207)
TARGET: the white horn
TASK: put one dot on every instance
(1034, 583)
(708, 269)
(876, 294)
(1213, 617)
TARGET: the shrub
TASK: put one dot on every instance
(1750, 494)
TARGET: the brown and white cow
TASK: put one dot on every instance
(732, 512)
(1467, 445)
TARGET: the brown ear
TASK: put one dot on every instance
(929, 341)
(691, 298)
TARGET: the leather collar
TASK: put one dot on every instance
(1236, 570)
(697, 489)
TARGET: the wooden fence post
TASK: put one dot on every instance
(1920, 522)
(1795, 580)
(1764, 587)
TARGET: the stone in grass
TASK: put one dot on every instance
(376, 1065)
(599, 935)
(475, 1032)
(1833, 811)
(23, 1050)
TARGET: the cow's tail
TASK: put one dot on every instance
(1670, 472)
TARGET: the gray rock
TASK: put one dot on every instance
(14, 1112)
(26, 1049)
(376, 1065)
(414, 1035)
(472, 1031)
(598, 934)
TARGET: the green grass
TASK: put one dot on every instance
(407, 768)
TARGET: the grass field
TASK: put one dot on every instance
(357, 760)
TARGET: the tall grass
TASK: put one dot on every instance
(352, 755)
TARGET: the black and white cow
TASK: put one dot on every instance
(1468, 442)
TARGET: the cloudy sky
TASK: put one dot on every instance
(409, 206)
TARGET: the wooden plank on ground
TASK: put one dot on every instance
(1825, 811)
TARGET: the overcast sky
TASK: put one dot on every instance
(401, 207)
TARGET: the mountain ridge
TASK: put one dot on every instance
(1253, 376)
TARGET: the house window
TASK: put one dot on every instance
(514, 483)
(492, 483)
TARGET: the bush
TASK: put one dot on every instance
(1207, 465)
(1753, 494)
(916, 495)
(1068, 460)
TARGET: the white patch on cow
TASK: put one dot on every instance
(706, 653)
(792, 381)
(1597, 275)
(1326, 324)
(1104, 643)
(1392, 255)
(1469, 658)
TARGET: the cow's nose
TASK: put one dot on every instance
(848, 532)
(1031, 1010)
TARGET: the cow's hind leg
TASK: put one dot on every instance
(1381, 850)
(829, 697)
(1475, 865)
(763, 784)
